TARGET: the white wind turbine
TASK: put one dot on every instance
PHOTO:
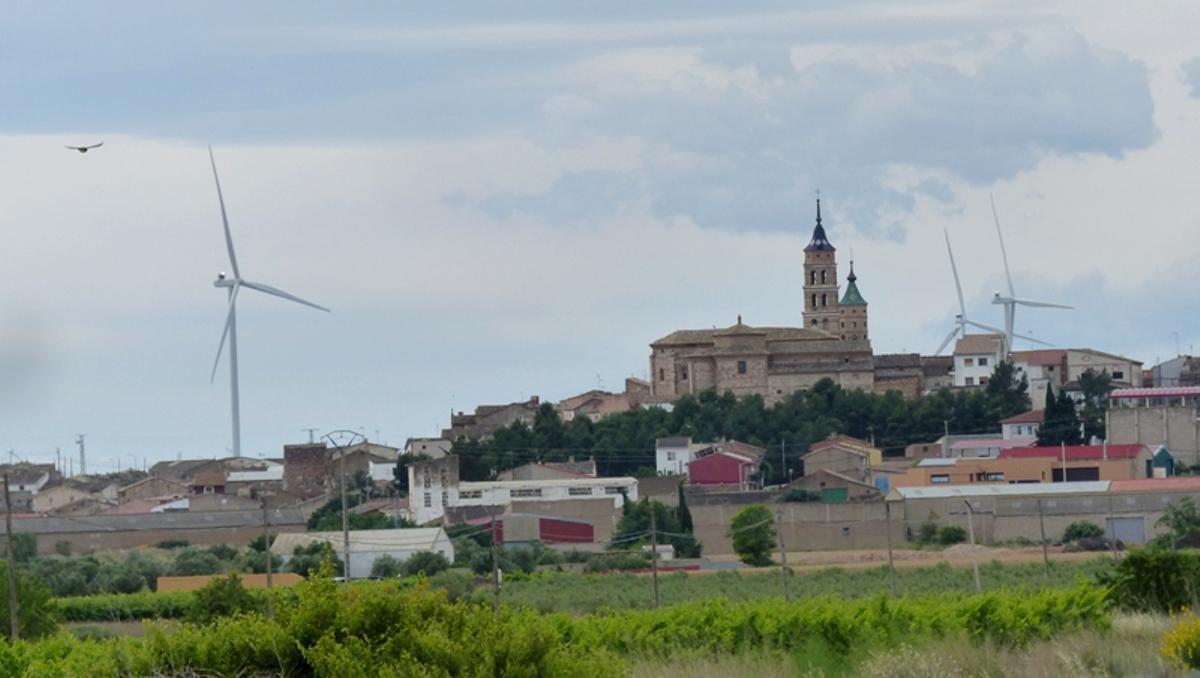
(233, 285)
(1011, 302)
(961, 321)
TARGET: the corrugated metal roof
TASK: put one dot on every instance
(407, 539)
(1000, 490)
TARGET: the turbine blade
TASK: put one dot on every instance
(225, 332)
(1003, 251)
(281, 294)
(1040, 304)
(949, 337)
(1036, 341)
(962, 306)
(981, 326)
(224, 218)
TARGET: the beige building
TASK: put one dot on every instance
(843, 455)
(1167, 416)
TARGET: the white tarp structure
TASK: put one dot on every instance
(367, 545)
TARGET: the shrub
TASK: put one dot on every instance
(950, 534)
(117, 578)
(124, 607)
(221, 597)
(630, 560)
(1083, 530)
(753, 532)
(192, 561)
(457, 585)
(223, 551)
(1154, 580)
(927, 532)
(307, 560)
(62, 548)
(385, 567)
(35, 609)
(427, 563)
(173, 544)
(24, 546)
(797, 494)
(1181, 645)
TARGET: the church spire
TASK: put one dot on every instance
(819, 242)
(852, 297)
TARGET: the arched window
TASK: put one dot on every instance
(812, 277)
(824, 300)
(814, 300)
(822, 276)
(814, 322)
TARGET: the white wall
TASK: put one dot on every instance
(974, 371)
(672, 460)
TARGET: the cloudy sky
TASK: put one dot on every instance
(504, 202)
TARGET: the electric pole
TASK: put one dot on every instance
(653, 553)
(974, 556)
(495, 568)
(311, 431)
(82, 457)
(13, 622)
(783, 568)
(1045, 547)
(267, 553)
(887, 512)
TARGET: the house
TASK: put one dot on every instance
(1091, 462)
(183, 470)
(433, 448)
(208, 480)
(725, 468)
(487, 419)
(550, 470)
(517, 529)
(672, 455)
(1123, 371)
(843, 454)
(368, 545)
(595, 405)
(1023, 426)
(55, 496)
(1041, 368)
(834, 487)
(975, 357)
(982, 446)
(26, 477)
(267, 478)
(1181, 370)
(152, 486)
(434, 488)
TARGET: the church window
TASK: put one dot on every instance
(814, 301)
(683, 373)
(662, 374)
(741, 367)
(823, 281)
(824, 300)
(812, 277)
(814, 322)
(843, 324)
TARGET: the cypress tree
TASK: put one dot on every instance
(682, 512)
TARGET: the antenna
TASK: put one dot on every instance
(311, 431)
(82, 456)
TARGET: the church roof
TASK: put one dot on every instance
(819, 242)
(852, 297)
(685, 337)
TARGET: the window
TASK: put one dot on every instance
(994, 476)
(741, 367)
(683, 373)
(824, 300)
(582, 491)
(526, 492)
(470, 494)
(614, 489)
(428, 500)
(670, 457)
(445, 499)
(970, 381)
(968, 362)
(940, 479)
(983, 380)
(812, 277)
(662, 374)
(814, 301)
(983, 362)
(814, 322)
(823, 281)
(428, 482)
(1118, 374)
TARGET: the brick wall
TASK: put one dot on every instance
(306, 471)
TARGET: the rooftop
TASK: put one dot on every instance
(997, 490)
(975, 344)
(819, 242)
(1074, 452)
(1162, 392)
(1049, 356)
(406, 539)
(1177, 484)
(1030, 417)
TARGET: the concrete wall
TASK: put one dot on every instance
(599, 512)
(1177, 427)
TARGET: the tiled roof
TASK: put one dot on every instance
(978, 343)
(1030, 417)
(685, 337)
(1074, 452)
(1050, 356)
(1165, 392)
(898, 360)
(1180, 484)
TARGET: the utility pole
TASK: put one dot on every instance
(1045, 546)
(945, 436)
(345, 512)
(311, 431)
(495, 568)
(653, 553)
(887, 512)
(1112, 529)
(783, 460)
(783, 568)
(82, 457)
(267, 553)
(13, 622)
(974, 556)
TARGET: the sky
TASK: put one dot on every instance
(505, 201)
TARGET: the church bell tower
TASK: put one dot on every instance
(821, 282)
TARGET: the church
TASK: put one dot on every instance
(775, 361)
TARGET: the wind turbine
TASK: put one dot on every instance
(1011, 302)
(960, 321)
(233, 285)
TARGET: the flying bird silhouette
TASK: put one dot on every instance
(85, 149)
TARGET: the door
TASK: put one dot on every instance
(1127, 530)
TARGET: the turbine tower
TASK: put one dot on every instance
(233, 285)
(1011, 302)
(961, 321)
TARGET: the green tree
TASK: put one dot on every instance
(683, 513)
(221, 597)
(1182, 519)
(192, 561)
(1060, 423)
(1007, 395)
(1095, 387)
(36, 616)
(634, 527)
(307, 561)
(385, 567)
(427, 563)
(753, 533)
(1082, 529)
(24, 545)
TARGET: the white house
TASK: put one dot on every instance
(975, 356)
(672, 455)
(1022, 426)
(434, 448)
(434, 487)
(367, 545)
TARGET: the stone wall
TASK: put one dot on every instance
(306, 470)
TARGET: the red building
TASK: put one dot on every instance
(725, 469)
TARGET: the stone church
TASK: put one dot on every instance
(775, 361)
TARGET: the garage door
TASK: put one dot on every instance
(1128, 530)
(835, 494)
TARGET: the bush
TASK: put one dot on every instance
(797, 494)
(223, 551)
(124, 607)
(1154, 580)
(753, 532)
(457, 585)
(630, 560)
(427, 563)
(1082, 530)
(222, 597)
(927, 532)
(173, 544)
(307, 560)
(190, 562)
(62, 548)
(385, 567)
(948, 535)
(35, 609)
(24, 545)
(1181, 645)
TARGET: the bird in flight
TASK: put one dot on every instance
(85, 149)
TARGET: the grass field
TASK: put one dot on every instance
(580, 594)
